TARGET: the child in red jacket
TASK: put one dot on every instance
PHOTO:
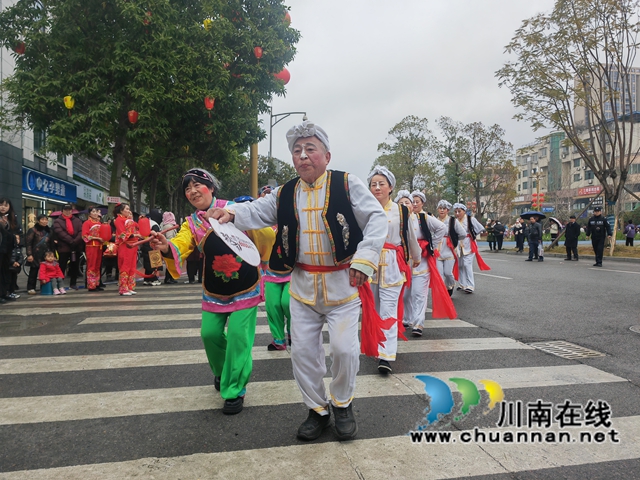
(50, 272)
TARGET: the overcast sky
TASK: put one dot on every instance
(363, 65)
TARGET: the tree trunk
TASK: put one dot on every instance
(153, 189)
(132, 196)
(117, 165)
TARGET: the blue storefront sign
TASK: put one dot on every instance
(548, 209)
(43, 185)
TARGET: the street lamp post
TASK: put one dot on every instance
(279, 117)
(537, 175)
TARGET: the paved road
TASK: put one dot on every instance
(100, 386)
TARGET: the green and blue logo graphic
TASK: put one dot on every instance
(441, 397)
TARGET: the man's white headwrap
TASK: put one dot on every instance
(420, 195)
(445, 204)
(460, 205)
(307, 129)
(402, 194)
(384, 171)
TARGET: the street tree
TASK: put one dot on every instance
(413, 156)
(573, 72)
(479, 165)
(159, 60)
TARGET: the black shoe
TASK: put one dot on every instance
(567, 259)
(3, 300)
(312, 427)
(216, 383)
(528, 260)
(9, 298)
(576, 259)
(598, 265)
(384, 367)
(345, 422)
(450, 290)
(541, 259)
(233, 406)
(416, 332)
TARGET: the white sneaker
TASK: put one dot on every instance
(31, 292)
(126, 294)
(147, 284)
(156, 283)
(56, 291)
(133, 292)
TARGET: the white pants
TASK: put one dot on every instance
(445, 267)
(386, 300)
(465, 266)
(415, 300)
(308, 355)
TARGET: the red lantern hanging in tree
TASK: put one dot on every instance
(133, 116)
(284, 75)
(287, 19)
(20, 48)
(208, 104)
(257, 51)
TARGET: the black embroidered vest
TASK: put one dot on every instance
(426, 233)
(225, 275)
(404, 230)
(337, 216)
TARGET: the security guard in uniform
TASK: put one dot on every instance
(598, 228)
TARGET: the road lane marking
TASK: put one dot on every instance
(14, 366)
(59, 408)
(611, 270)
(494, 276)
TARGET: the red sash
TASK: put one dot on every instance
(406, 269)
(441, 303)
(371, 335)
(474, 249)
(456, 273)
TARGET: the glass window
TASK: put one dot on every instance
(588, 175)
(525, 185)
(62, 159)
(576, 162)
(576, 177)
(534, 184)
(525, 173)
(39, 139)
(518, 187)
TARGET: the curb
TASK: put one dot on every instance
(562, 255)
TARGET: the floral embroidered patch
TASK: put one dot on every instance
(226, 267)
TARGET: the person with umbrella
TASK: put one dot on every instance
(534, 237)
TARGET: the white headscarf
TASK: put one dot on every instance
(419, 194)
(402, 194)
(460, 205)
(307, 129)
(384, 171)
(445, 204)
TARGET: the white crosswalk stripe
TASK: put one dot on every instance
(370, 458)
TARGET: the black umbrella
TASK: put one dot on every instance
(528, 215)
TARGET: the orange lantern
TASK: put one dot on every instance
(105, 232)
(208, 24)
(284, 75)
(257, 51)
(20, 48)
(69, 102)
(208, 104)
(144, 227)
(287, 19)
(133, 116)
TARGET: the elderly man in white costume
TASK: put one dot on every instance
(331, 229)
(467, 247)
(425, 226)
(447, 259)
(400, 248)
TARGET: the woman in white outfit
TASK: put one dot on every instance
(447, 258)
(400, 247)
(467, 247)
(428, 232)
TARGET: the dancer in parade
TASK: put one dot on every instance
(429, 232)
(447, 258)
(126, 234)
(93, 249)
(231, 291)
(468, 248)
(330, 233)
(394, 271)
